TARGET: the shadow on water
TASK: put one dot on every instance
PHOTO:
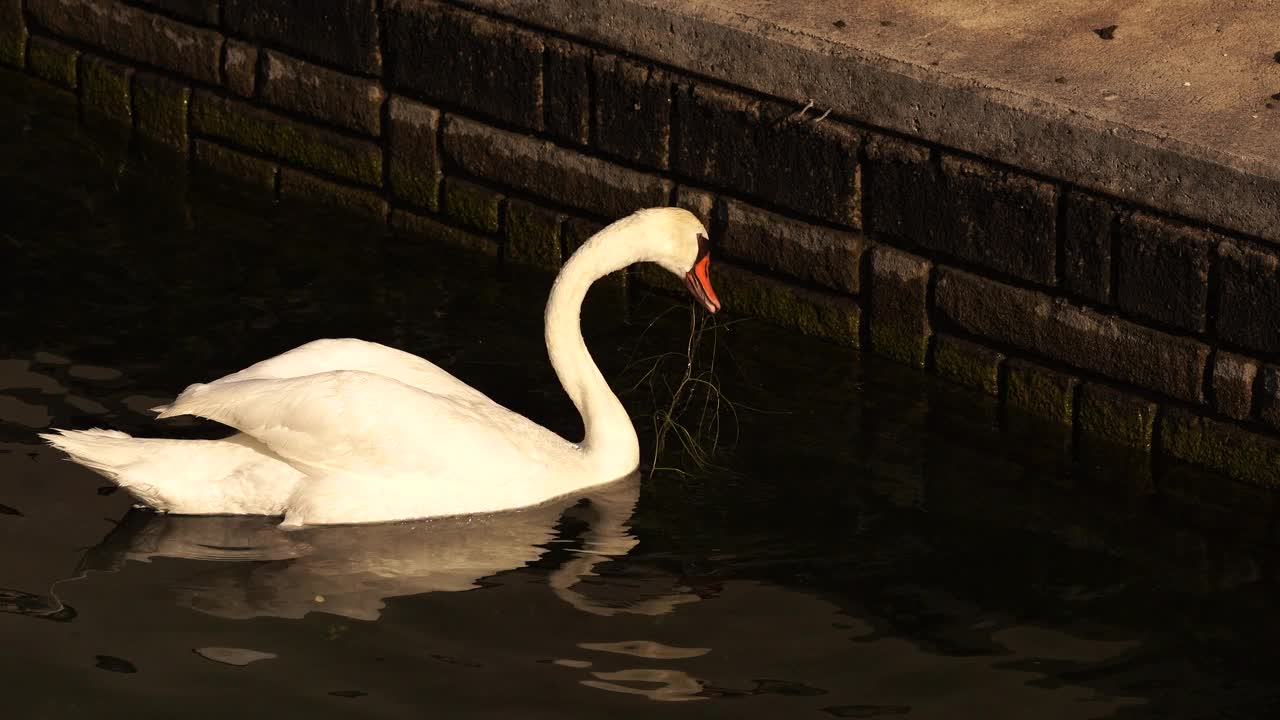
(868, 542)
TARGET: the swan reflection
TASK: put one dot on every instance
(256, 569)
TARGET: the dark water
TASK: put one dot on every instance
(871, 542)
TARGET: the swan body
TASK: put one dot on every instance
(348, 431)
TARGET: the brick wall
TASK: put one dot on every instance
(455, 126)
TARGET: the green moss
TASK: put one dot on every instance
(471, 205)
(897, 341)
(161, 107)
(212, 159)
(968, 364)
(104, 90)
(298, 186)
(1041, 392)
(1120, 418)
(1220, 446)
(270, 134)
(53, 61)
(834, 317)
(416, 227)
(533, 235)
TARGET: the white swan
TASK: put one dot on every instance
(347, 431)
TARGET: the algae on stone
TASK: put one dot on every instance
(161, 108)
(296, 185)
(1041, 391)
(53, 61)
(472, 206)
(250, 171)
(104, 89)
(413, 226)
(968, 363)
(270, 134)
(1220, 446)
(824, 315)
(1120, 418)
(533, 235)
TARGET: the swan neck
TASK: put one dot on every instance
(610, 442)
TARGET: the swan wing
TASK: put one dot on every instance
(349, 422)
(328, 355)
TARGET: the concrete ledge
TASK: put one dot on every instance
(1030, 86)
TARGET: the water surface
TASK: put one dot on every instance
(870, 541)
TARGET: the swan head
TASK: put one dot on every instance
(679, 242)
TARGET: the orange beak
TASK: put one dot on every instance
(698, 280)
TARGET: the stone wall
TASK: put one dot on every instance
(469, 127)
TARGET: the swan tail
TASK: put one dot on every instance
(235, 476)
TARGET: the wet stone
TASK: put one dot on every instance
(899, 313)
(472, 206)
(533, 234)
(412, 226)
(161, 105)
(414, 156)
(811, 312)
(1041, 392)
(52, 61)
(104, 90)
(1220, 446)
(1269, 396)
(968, 363)
(301, 187)
(253, 172)
(13, 33)
(1118, 416)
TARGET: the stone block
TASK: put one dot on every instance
(898, 306)
(903, 190)
(1163, 271)
(1233, 381)
(567, 92)
(701, 203)
(255, 173)
(996, 219)
(547, 170)
(968, 363)
(264, 132)
(204, 12)
(333, 97)
(1220, 446)
(413, 153)
(1120, 417)
(1086, 246)
(52, 61)
(533, 235)
(1040, 391)
(632, 111)
(135, 33)
(341, 33)
(161, 107)
(1118, 349)
(301, 187)
(416, 227)
(240, 67)
(467, 60)
(13, 34)
(767, 150)
(105, 90)
(578, 231)
(814, 253)
(826, 315)
(1249, 297)
(472, 206)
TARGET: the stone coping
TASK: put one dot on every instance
(1170, 112)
